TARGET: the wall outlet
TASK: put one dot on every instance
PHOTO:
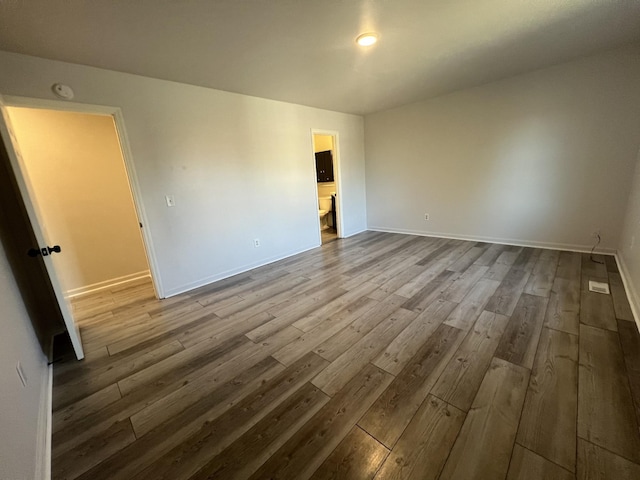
(23, 377)
(256, 242)
(426, 216)
(171, 201)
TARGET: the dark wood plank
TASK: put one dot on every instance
(630, 341)
(471, 306)
(506, 297)
(595, 463)
(303, 453)
(357, 457)
(430, 291)
(594, 266)
(526, 465)
(606, 415)
(520, 339)
(619, 296)
(392, 412)
(342, 341)
(245, 455)
(596, 309)
(91, 452)
(347, 365)
(424, 446)
(548, 423)
(463, 375)
(161, 440)
(400, 351)
(217, 434)
(563, 309)
(484, 445)
(543, 274)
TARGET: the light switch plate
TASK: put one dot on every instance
(171, 201)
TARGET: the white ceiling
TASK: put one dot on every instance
(303, 51)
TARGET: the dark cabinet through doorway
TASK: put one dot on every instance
(324, 166)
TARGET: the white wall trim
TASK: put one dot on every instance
(501, 241)
(632, 293)
(94, 287)
(347, 235)
(235, 271)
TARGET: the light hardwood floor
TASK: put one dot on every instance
(379, 356)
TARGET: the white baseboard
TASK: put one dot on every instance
(347, 235)
(45, 423)
(235, 271)
(502, 241)
(95, 287)
(629, 288)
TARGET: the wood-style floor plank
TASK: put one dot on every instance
(469, 309)
(333, 378)
(392, 412)
(526, 465)
(621, 304)
(520, 338)
(483, 448)
(357, 457)
(595, 463)
(630, 341)
(463, 375)
(548, 423)
(403, 334)
(303, 453)
(245, 455)
(606, 412)
(395, 357)
(215, 435)
(424, 446)
(596, 309)
(563, 310)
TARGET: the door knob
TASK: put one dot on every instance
(54, 249)
(34, 252)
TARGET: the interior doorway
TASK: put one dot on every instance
(73, 175)
(327, 182)
(73, 164)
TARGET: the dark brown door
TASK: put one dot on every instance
(17, 238)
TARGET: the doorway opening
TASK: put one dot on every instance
(326, 154)
(73, 173)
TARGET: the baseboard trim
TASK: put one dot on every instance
(354, 233)
(629, 288)
(96, 287)
(501, 241)
(45, 423)
(235, 271)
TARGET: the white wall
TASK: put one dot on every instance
(75, 167)
(543, 158)
(629, 249)
(22, 425)
(240, 167)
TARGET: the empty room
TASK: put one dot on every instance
(309, 240)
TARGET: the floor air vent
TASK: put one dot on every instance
(599, 287)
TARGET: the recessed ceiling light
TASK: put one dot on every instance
(367, 39)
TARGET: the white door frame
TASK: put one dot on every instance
(336, 176)
(118, 118)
